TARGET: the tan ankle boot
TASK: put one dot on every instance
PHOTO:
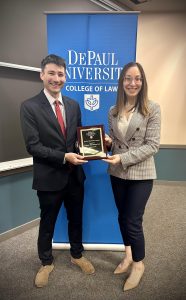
(84, 264)
(42, 276)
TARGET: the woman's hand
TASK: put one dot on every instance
(108, 141)
(113, 159)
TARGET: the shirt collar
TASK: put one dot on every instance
(52, 99)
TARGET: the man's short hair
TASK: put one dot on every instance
(53, 59)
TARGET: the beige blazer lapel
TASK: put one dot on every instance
(117, 134)
(135, 123)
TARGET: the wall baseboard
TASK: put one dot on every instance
(166, 182)
(17, 230)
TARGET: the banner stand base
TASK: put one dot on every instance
(109, 247)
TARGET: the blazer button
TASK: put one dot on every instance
(133, 139)
(119, 146)
(137, 129)
(127, 147)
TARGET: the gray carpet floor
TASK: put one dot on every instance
(165, 273)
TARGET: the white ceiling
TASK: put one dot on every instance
(149, 6)
(154, 5)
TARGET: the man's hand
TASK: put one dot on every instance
(113, 159)
(75, 159)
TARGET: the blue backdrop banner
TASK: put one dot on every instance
(95, 47)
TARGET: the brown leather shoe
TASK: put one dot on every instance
(134, 278)
(84, 264)
(42, 276)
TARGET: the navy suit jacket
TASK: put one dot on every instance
(46, 143)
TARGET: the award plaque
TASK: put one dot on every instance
(91, 141)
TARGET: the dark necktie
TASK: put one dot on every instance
(60, 118)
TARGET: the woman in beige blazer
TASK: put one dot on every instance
(134, 138)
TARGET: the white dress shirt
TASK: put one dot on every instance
(52, 103)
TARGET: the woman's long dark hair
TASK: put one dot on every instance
(142, 97)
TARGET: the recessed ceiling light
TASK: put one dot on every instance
(139, 1)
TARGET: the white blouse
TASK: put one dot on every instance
(123, 123)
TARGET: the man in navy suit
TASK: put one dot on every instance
(57, 172)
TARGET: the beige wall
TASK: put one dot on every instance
(161, 49)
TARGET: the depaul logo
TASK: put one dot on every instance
(91, 101)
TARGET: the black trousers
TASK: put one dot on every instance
(50, 203)
(131, 197)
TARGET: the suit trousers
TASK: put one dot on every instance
(50, 203)
(131, 197)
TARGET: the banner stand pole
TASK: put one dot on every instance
(110, 247)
